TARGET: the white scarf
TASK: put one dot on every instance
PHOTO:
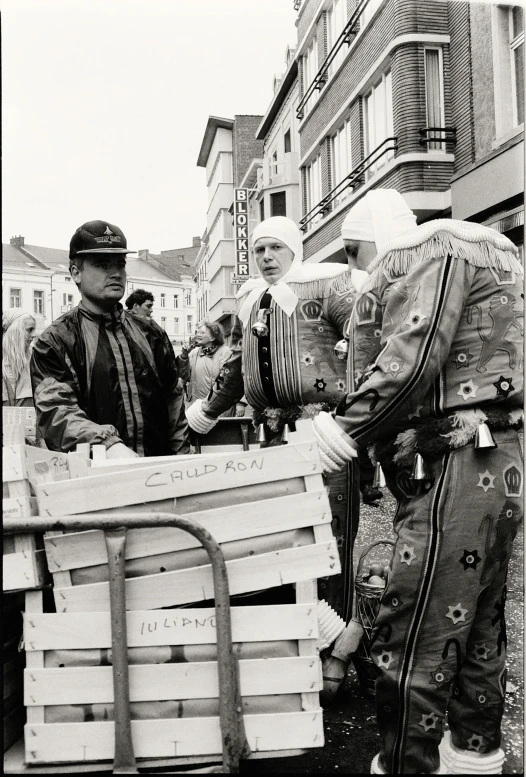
(285, 230)
(379, 217)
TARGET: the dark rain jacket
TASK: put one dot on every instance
(109, 378)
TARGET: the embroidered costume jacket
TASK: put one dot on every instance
(295, 364)
(437, 333)
(105, 379)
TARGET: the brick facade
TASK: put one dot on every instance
(246, 147)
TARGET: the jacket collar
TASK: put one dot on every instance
(114, 316)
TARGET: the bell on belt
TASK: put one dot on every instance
(419, 469)
(260, 328)
(379, 478)
(262, 437)
(484, 438)
(341, 349)
(285, 434)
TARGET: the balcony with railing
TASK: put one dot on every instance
(377, 159)
(438, 138)
(281, 173)
(345, 38)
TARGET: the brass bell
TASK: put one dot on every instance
(419, 469)
(285, 434)
(262, 437)
(341, 349)
(260, 328)
(484, 438)
(379, 477)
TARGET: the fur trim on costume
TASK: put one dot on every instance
(478, 245)
(436, 437)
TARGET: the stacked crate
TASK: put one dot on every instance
(269, 511)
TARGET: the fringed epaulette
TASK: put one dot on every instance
(476, 244)
(323, 287)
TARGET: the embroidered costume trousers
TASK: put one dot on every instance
(439, 643)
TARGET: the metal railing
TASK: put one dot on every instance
(321, 77)
(354, 179)
(441, 135)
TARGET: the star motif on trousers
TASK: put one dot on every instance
(486, 480)
(475, 742)
(416, 413)
(407, 555)
(340, 385)
(439, 677)
(429, 721)
(457, 613)
(470, 559)
(415, 317)
(320, 385)
(481, 651)
(462, 358)
(395, 367)
(468, 390)
(504, 386)
(306, 359)
(386, 659)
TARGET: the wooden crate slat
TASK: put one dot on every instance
(13, 463)
(23, 570)
(71, 631)
(227, 524)
(165, 682)
(164, 481)
(19, 507)
(254, 573)
(79, 742)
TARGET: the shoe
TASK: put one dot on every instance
(377, 769)
(467, 761)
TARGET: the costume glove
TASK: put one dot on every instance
(197, 418)
(336, 447)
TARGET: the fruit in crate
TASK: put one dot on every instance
(377, 581)
(376, 569)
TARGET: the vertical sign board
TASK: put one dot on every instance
(241, 234)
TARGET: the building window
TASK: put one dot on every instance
(336, 21)
(278, 204)
(516, 20)
(163, 322)
(38, 302)
(176, 326)
(434, 94)
(341, 159)
(378, 120)
(15, 298)
(313, 187)
(310, 68)
(262, 210)
(286, 142)
(188, 297)
(176, 300)
(189, 325)
(67, 302)
(163, 301)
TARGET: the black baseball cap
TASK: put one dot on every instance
(98, 237)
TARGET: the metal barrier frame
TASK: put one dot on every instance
(234, 741)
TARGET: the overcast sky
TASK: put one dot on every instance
(105, 104)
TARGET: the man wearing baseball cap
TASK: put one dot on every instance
(101, 375)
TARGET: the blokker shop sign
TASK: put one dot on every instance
(241, 234)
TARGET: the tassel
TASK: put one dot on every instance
(419, 469)
(484, 438)
(379, 478)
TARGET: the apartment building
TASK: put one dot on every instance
(424, 97)
(227, 150)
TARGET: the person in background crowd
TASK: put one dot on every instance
(439, 404)
(292, 317)
(18, 329)
(206, 360)
(102, 375)
(140, 303)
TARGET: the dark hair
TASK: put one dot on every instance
(216, 331)
(138, 297)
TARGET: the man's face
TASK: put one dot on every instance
(360, 253)
(102, 280)
(29, 325)
(144, 310)
(273, 258)
(203, 336)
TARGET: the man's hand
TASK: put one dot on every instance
(121, 451)
(240, 410)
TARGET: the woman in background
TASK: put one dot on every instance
(18, 331)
